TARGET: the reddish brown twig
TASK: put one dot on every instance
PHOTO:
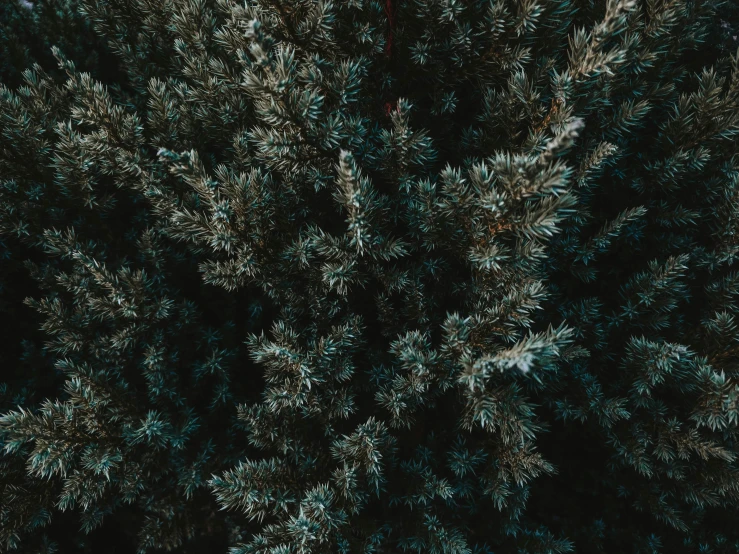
(390, 12)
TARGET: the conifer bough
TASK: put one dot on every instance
(431, 276)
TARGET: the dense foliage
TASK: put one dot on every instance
(433, 276)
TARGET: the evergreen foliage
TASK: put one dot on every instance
(432, 276)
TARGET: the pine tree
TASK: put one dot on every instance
(433, 276)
